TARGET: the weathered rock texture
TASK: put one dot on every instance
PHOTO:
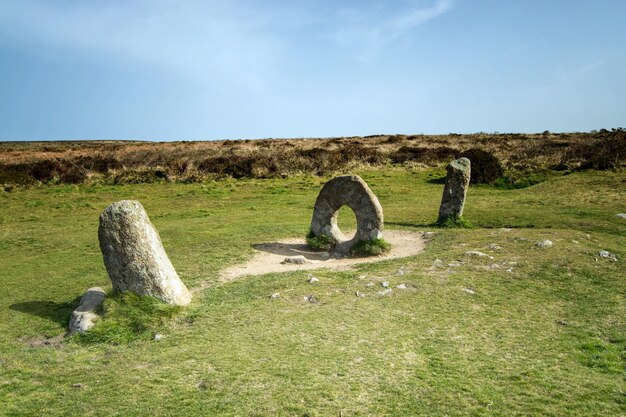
(88, 311)
(134, 255)
(455, 190)
(351, 191)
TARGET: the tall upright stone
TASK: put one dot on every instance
(134, 255)
(455, 190)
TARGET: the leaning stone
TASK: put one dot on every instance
(297, 260)
(351, 191)
(134, 255)
(455, 190)
(87, 314)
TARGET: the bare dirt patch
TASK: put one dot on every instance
(268, 257)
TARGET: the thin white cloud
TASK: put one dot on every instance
(208, 43)
(370, 30)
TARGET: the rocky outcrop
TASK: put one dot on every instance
(134, 255)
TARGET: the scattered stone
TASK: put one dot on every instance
(621, 215)
(88, 311)
(401, 271)
(437, 262)
(494, 266)
(401, 287)
(78, 386)
(359, 294)
(362, 276)
(369, 284)
(427, 235)
(311, 298)
(562, 323)
(575, 241)
(545, 244)
(455, 264)
(385, 284)
(469, 291)
(312, 279)
(455, 190)
(296, 260)
(509, 270)
(607, 255)
(478, 254)
(274, 296)
(134, 255)
(494, 246)
(157, 337)
(505, 229)
(351, 191)
(519, 239)
(384, 292)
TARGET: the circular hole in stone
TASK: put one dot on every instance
(346, 221)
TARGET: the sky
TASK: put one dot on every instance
(232, 69)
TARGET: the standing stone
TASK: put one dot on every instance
(87, 313)
(351, 191)
(134, 255)
(457, 182)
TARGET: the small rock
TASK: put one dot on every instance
(437, 262)
(509, 270)
(494, 246)
(78, 386)
(562, 323)
(362, 276)
(607, 255)
(311, 298)
(575, 241)
(621, 215)
(477, 253)
(274, 296)
(469, 291)
(494, 266)
(359, 294)
(427, 235)
(545, 244)
(158, 337)
(201, 385)
(87, 314)
(296, 260)
(369, 284)
(312, 279)
(401, 271)
(455, 264)
(385, 284)
(385, 292)
(401, 287)
(505, 229)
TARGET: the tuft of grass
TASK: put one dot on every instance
(320, 243)
(373, 247)
(128, 317)
(454, 223)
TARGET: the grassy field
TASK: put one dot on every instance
(532, 332)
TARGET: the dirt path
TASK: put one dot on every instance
(268, 256)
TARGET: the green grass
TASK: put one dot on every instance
(454, 222)
(320, 243)
(373, 247)
(542, 331)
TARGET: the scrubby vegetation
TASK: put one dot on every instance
(375, 247)
(320, 243)
(494, 156)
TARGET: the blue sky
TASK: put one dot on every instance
(217, 69)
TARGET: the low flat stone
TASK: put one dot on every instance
(478, 254)
(607, 255)
(545, 244)
(621, 215)
(88, 312)
(296, 260)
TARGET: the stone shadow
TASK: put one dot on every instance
(57, 312)
(292, 249)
